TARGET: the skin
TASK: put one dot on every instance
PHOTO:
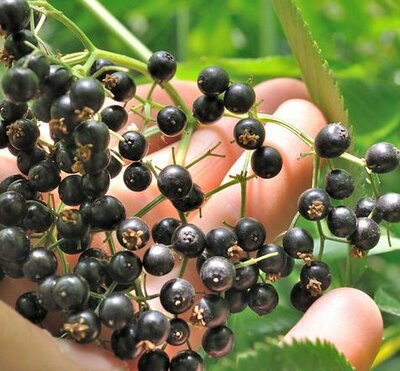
(346, 317)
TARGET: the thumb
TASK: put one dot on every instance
(24, 346)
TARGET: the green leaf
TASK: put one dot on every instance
(250, 328)
(322, 87)
(388, 300)
(319, 79)
(298, 356)
(266, 67)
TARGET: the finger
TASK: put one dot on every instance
(24, 346)
(347, 318)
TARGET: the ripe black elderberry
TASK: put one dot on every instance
(158, 260)
(13, 208)
(213, 81)
(116, 311)
(106, 212)
(125, 267)
(218, 342)
(171, 120)
(29, 307)
(115, 117)
(189, 240)
(122, 87)
(137, 176)
(153, 326)
(14, 15)
(339, 184)
(124, 342)
(192, 201)
(239, 98)
(388, 207)
(39, 264)
(222, 241)
(367, 234)
(156, 359)
(187, 360)
(161, 66)
(163, 230)
(217, 273)
(315, 277)
(274, 265)
(16, 45)
(301, 298)
(342, 221)
(262, 298)
(71, 291)
(266, 162)
(23, 134)
(134, 147)
(177, 295)
(179, 331)
(174, 182)
(298, 243)
(332, 141)
(83, 326)
(133, 233)
(211, 311)
(314, 204)
(382, 157)
(249, 133)
(87, 93)
(251, 233)
(208, 109)
(14, 244)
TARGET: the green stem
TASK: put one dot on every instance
(347, 278)
(59, 16)
(114, 26)
(183, 267)
(321, 240)
(151, 132)
(144, 210)
(253, 261)
(303, 136)
(185, 141)
(243, 185)
(316, 171)
(226, 185)
(63, 260)
(205, 155)
(111, 243)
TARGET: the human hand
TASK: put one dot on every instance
(346, 317)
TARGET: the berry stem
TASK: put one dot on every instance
(205, 155)
(182, 217)
(114, 26)
(253, 261)
(183, 267)
(145, 209)
(321, 240)
(373, 183)
(111, 243)
(347, 277)
(221, 187)
(63, 260)
(316, 171)
(151, 132)
(243, 185)
(50, 11)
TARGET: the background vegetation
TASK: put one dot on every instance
(361, 41)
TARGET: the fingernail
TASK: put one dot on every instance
(89, 357)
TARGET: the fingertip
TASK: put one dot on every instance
(275, 91)
(349, 319)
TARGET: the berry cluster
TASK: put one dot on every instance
(235, 264)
